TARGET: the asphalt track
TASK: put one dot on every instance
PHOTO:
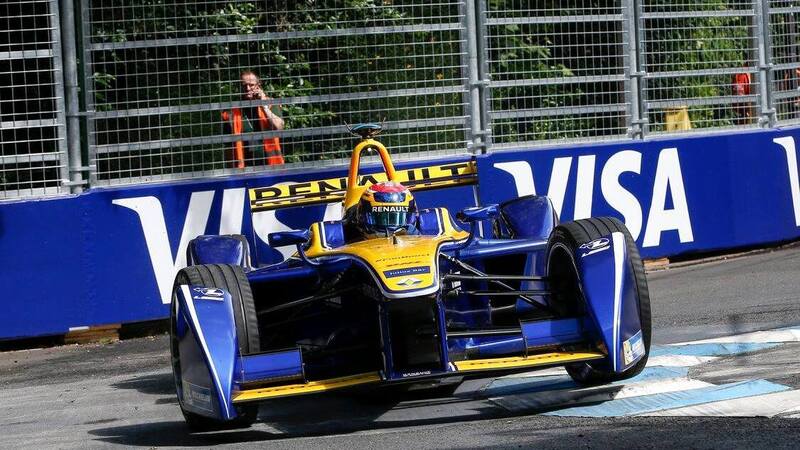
(689, 396)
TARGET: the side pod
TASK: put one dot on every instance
(612, 300)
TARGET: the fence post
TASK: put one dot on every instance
(634, 95)
(88, 89)
(68, 46)
(476, 84)
(765, 74)
(483, 74)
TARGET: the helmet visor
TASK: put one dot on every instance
(382, 217)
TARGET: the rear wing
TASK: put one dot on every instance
(334, 189)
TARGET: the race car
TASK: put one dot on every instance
(394, 294)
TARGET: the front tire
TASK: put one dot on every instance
(567, 298)
(231, 279)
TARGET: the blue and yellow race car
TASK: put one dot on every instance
(395, 295)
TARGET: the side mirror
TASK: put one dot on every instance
(284, 238)
(474, 215)
(478, 213)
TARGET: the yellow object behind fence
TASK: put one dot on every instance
(677, 119)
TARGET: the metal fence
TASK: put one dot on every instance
(557, 70)
(33, 157)
(785, 58)
(700, 59)
(164, 73)
(163, 94)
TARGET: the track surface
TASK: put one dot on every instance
(122, 394)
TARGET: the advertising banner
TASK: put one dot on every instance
(675, 195)
(110, 255)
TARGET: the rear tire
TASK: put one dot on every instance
(232, 279)
(568, 299)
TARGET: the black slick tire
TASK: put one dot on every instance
(232, 279)
(567, 298)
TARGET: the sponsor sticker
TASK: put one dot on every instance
(596, 246)
(633, 348)
(415, 374)
(334, 189)
(406, 271)
(410, 281)
(204, 293)
(378, 209)
(196, 396)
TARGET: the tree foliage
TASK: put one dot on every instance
(329, 62)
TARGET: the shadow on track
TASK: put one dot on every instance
(331, 414)
(327, 414)
(153, 384)
(174, 434)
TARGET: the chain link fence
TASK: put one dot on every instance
(33, 158)
(177, 89)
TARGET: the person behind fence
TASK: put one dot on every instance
(741, 87)
(256, 118)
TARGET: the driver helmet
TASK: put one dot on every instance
(385, 208)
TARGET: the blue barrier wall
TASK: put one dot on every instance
(109, 255)
(675, 195)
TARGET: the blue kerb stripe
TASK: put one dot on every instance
(671, 400)
(711, 349)
(518, 385)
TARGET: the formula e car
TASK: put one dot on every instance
(442, 301)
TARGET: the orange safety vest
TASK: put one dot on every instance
(272, 145)
(741, 83)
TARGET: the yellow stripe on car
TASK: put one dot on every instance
(312, 387)
(530, 361)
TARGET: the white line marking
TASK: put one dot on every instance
(767, 405)
(777, 404)
(782, 335)
(679, 360)
(571, 397)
